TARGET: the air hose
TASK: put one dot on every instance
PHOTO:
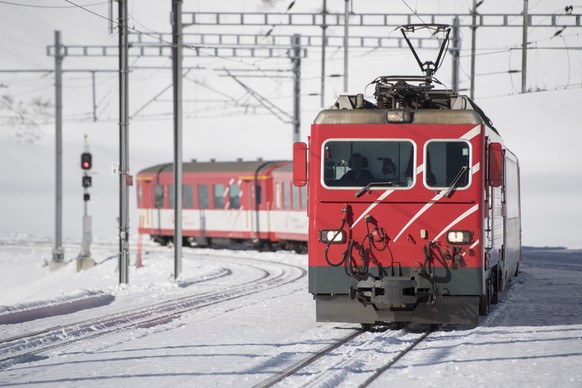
(435, 292)
(329, 244)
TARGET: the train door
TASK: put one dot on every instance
(251, 215)
(511, 216)
(203, 204)
(258, 207)
(158, 199)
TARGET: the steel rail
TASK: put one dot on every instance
(290, 371)
(309, 360)
(383, 369)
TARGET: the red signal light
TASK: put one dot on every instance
(86, 161)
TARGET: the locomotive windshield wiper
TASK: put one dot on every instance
(456, 180)
(369, 185)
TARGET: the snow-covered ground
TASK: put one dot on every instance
(533, 338)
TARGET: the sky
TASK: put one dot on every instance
(223, 122)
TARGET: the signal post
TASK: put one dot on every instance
(84, 259)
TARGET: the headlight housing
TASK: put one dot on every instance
(334, 236)
(459, 237)
(398, 116)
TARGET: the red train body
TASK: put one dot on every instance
(225, 202)
(429, 230)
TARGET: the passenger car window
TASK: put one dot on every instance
(357, 163)
(234, 196)
(171, 196)
(303, 191)
(286, 195)
(218, 196)
(187, 196)
(140, 195)
(295, 197)
(159, 196)
(278, 202)
(203, 196)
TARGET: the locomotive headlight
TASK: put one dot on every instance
(459, 237)
(333, 236)
(398, 116)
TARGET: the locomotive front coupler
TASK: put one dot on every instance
(392, 291)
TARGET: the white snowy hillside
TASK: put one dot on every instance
(240, 317)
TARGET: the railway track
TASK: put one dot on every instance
(309, 360)
(395, 359)
(32, 345)
(370, 352)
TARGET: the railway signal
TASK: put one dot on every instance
(84, 259)
(86, 161)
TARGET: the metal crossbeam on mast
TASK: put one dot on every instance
(367, 20)
(165, 50)
(274, 41)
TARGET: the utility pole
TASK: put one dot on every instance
(124, 176)
(296, 60)
(455, 53)
(323, 46)
(346, 43)
(524, 47)
(177, 78)
(58, 251)
(94, 97)
(473, 46)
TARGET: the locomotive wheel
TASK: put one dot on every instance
(352, 293)
(485, 301)
(300, 249)
(495, 278)
(516, 270)
(367, 326)
(265, 245)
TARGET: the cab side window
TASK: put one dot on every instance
(447, 161)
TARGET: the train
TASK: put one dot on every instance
(414, 205)
(252, 202)
(408, 205)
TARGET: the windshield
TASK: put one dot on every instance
(357, 163)
(447, 164)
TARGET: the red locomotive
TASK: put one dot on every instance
(414, 206)
(225, 202)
